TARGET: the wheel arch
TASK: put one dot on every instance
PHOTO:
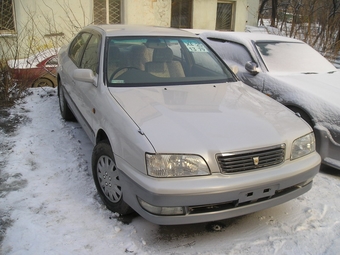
(43, 78)
(303, 113)
(101, 136)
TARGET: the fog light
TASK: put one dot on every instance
(161, 210)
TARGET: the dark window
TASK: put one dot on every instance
(107, 11)
(181, 13)
(90, 58)
(224, 16)
(232, 53)
(77, 47)
(53, 62)
(6, 15)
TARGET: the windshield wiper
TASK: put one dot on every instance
(309, 73)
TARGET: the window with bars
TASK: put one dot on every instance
(6, 15)
(181, 13)
(224, 16)
(107, 11)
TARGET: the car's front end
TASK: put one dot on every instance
(244, 162)
(184, 200)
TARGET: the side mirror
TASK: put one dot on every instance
(85, 75)
(252, 68)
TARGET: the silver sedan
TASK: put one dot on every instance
(177, 137)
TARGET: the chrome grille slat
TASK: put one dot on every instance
(244, 161)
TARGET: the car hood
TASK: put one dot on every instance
(318, 94)
(324, 86)
(215, 118)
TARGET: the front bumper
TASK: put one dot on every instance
(327, 147)
(217, 197)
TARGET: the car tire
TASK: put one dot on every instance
(107, 180)
(42, 82)
(65, 110)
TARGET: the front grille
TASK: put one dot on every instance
(251, 160)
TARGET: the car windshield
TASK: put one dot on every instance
(292, 57)
(155, 61)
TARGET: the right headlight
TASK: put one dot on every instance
(175, 165)
(303, 146)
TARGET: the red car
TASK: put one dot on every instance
(38, 70)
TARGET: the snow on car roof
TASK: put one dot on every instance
(138, 30)
(32, 60)
(245, 38)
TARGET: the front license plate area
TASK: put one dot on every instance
(257, 193)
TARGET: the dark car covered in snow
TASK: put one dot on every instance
(291, 72)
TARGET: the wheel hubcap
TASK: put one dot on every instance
(108, 179)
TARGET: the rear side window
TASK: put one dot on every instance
(77, 47)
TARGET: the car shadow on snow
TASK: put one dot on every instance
(330, 171)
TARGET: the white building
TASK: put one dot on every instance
(27, 26)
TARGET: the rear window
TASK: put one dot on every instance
(137, 61)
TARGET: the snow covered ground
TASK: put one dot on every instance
(49, 204)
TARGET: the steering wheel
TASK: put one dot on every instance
(121, 71)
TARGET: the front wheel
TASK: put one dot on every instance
(107, 180)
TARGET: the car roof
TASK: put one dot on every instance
(139, 30)
(246, 37)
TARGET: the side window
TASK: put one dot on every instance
(53, 62)
(107, 11)
(77, 47)
(231, 52)
(239, 53)
(225, 15)
(90, 58)
(181, 13)
(7, 15)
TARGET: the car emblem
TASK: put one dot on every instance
(256, 160)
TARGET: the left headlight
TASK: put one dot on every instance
(175, 165)
(303, 146)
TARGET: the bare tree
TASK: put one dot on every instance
(313, 21)
(34, 38)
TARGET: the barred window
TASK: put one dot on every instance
(6, 15)
(107, 11)
(181, 13)
(224, 16)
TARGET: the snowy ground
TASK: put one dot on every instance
(49, 205)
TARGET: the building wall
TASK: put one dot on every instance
(204, 14)
(42, 24)
(147, 12)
